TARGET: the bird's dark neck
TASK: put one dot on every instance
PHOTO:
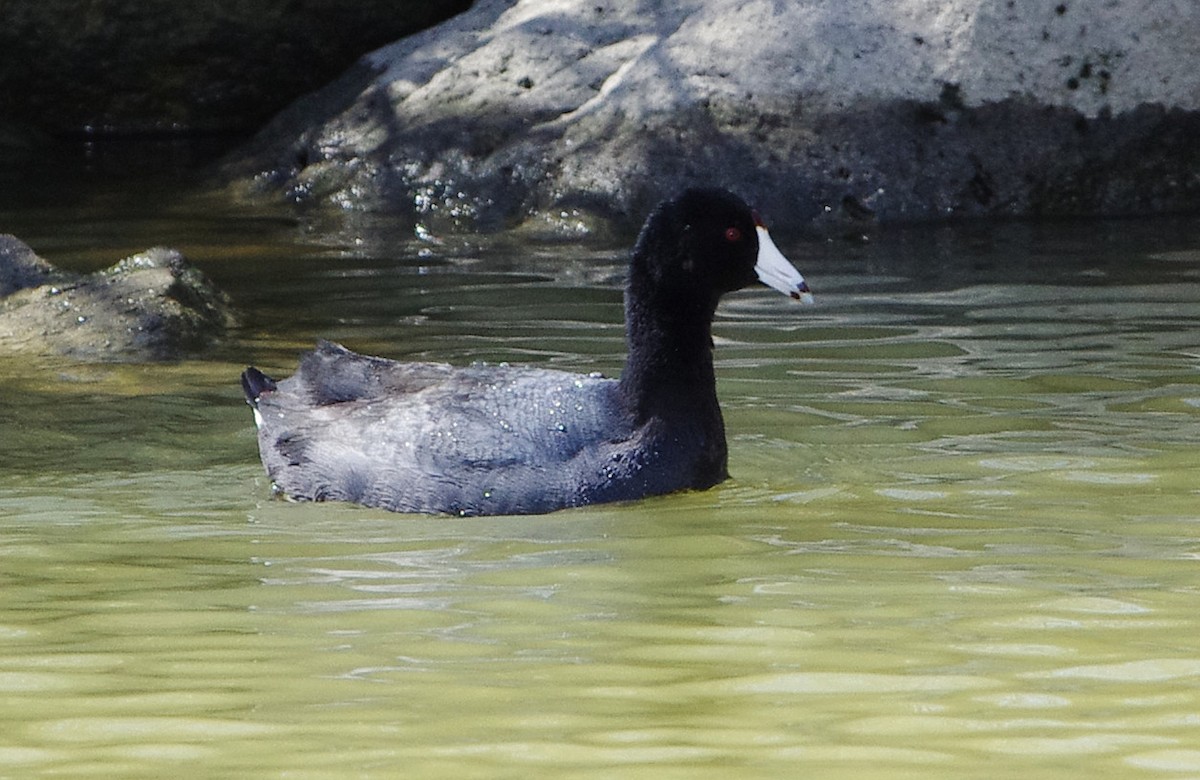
(669, 369)
(669, 384)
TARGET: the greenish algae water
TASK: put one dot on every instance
(962, 538)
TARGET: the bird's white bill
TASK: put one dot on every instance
(775, 271)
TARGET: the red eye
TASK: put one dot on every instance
(733, 235)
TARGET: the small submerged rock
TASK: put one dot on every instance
(150, 306)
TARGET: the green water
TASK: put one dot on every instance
(962, 538)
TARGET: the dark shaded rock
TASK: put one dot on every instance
(161, 65)
(21, 269)
(151, 306)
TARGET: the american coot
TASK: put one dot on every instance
(490, 440)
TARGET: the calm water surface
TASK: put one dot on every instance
(962, 538)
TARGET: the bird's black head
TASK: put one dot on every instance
(701, 244)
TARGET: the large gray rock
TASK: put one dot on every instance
(151, 306)
(863, 109)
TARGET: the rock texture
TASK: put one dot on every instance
(151, 306)
(864, 109)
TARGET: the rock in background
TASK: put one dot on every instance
(151, 306)
(544, 112)
(132, 66)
